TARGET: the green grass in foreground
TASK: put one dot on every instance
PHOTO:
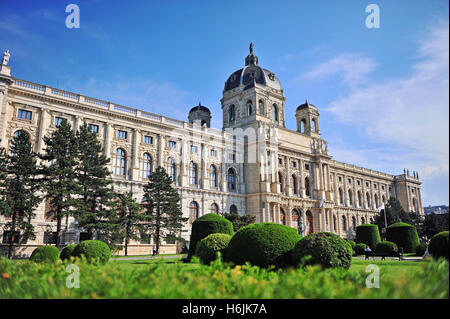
(138, 256)
(169, 278)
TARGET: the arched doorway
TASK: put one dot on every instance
(309, 226)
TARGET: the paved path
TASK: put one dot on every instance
(148, 257)
(409, 258)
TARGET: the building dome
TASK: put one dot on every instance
(252, 75)
(305, 106)
(200, 107)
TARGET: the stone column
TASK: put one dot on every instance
(301, 180)
(161, 150)
(108, 138)
(135, 159)
(42, 126)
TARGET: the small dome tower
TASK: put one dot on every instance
(307, 117)
(200, 114)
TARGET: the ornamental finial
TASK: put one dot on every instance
(251, 47)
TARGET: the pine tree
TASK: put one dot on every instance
(164, 217)
(20, 189)
(94, 207)
(130, 218)
(60, 184)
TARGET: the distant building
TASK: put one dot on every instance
(441, 209)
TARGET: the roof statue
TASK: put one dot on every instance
(251, 47)
(6, 56)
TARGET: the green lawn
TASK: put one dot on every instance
(170, 278)
(138, 256)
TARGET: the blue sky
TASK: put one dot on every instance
(382, 93)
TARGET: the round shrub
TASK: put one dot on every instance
(360, 248)
(404, 235)
(420, 250)
(324, 248)
(208, 247)
(386, 247)
(439, 245)
(368, 234)
(93, 250)
(45, 254)
(206, 225)
(262, 244)
(351, 243)
(67, 251)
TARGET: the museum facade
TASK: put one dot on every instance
(253, 165)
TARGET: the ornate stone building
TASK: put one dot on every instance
(253, 165)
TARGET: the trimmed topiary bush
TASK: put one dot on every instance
(326, 249)
(67, 251)
(420, 250)
(368, 234)
(439, 245)
(208, 247)
(404, 235)
(206, 225)
(359, 249)
(45, 254)
(262, 244)
(386, 247)
(93, 250)
(352, 244)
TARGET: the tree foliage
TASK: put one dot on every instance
(238, 220)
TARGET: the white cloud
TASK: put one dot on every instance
(408, 114)
(349, 67)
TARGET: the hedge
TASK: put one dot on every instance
(404, 235)
(368, 234)
(386, 247)
(93, 250)
(68, 251)
(208, 247)
(323, 248)
(438, 246)
(420, 250)
(45, 254)
(262, 244)
(206, 225)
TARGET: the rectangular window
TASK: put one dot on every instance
(339, 179)
(307, 167)
(148, 139)
(280, 161)
(359, 182)
(122, 134)
(294, 164)
(193, 149)
(25, 115)
(349, 180)
(7, 237)
(367, 184)
(50, 238)
(58, 121)
(213, 153)
(93, 128)
(171, 144)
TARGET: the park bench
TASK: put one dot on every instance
(373, 254)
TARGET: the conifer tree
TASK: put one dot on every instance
(94, 208)
(130, 218)
(60, 184)
(161, 201)
(20, 189)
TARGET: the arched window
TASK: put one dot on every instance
(233, 209)
(262, 111)
(371, 220)
(232, 113)
(376, 201)
(344, 223)
(249, 108)
(275, 113)
(214, 208)
(353, 222)
(363, 220)
(350, 197)
(231, 180)
(192, 173)
(193, 211)
(415, 205)
(334, 223)
(309, 227)
(341, 196)
(294, 184)
(303, 126)
(212, 176)
(359, 199)
(171, 168)
(368, 200)
(383, 199)
(282, 217)
(295, 218)
(281, 181)
(146, 165)
(119, 162)
(20, 132)
(307, 187)
(313, 123)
